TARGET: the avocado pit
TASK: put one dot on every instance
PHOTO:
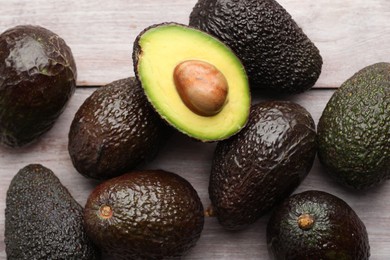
(201, 86)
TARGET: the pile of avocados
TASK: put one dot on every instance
(198, 80)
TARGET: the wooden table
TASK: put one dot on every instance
(350, 35)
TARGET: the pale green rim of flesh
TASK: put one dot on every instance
(165, 46)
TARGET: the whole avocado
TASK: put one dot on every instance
(42, 219)
(316, 225)
(115, 130)
(150, 214)
(278, 56)
(263, 164)
(37, 78)
(354, 129)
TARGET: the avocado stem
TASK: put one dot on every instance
(209, 212)
(306, 221)
(105, 212)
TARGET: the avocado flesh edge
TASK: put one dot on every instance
(162, 93)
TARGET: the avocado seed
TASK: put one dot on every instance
(201, 86)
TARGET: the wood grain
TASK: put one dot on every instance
(350, 34)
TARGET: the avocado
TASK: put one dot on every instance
(43, 220)
(37, 78)
(195, 82)
(354, 129)
(263, 164)
(277, 55)
(114, 131)
(149, 214)
(316, 225)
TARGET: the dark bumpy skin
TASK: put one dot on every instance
(336, 234)
(278, 57)
(37, 78)
(354, 129)
(42, 220)
(114, 130)
(155, 215)
(261, 165)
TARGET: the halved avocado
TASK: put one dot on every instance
(194, 81)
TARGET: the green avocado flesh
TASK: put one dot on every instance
(157, 52)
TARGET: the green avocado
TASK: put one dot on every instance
(316, 225)
(354, 129)
(150, 214)
(115, 130)
(42, 220)
(194, 81)
(261, 165)
(37, 78)
(277, 55)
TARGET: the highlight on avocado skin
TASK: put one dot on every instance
(38, 77)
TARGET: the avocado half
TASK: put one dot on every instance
(194, 81)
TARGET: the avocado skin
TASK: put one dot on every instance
(277, 55)
(37, 78)
(338, 233)
(261, 165)
(114, 131)
(42, 220)
(156, 215)
(354, 129)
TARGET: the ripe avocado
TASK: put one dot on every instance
(150, 214)
(42, 220)
(195, 82)
(354, 129)
(277, 55)
(316, 225)
(37, 78)
(261, 165)
(114, 130)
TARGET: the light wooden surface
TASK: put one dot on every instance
(350, 34)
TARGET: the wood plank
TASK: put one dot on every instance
(350, 34)
(192, 160)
